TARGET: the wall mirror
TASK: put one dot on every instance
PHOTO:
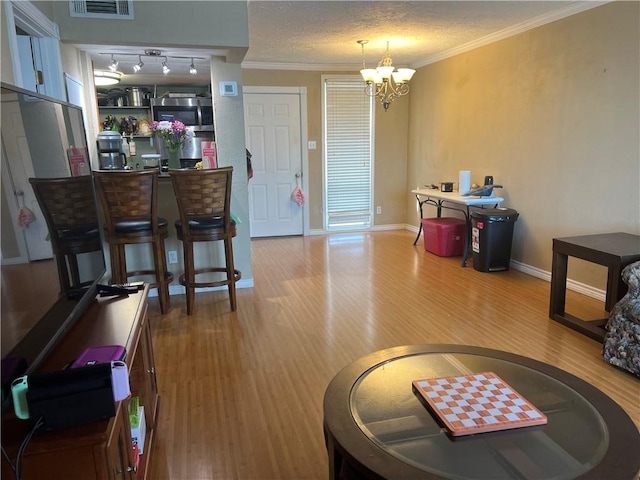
(43, 138)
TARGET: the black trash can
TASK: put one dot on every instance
(491, 238)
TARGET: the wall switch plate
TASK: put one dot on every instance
(173, 256)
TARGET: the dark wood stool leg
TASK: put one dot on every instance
(116, 270)
(161, 274)
(63, 273)
(189, 274)
(231, 275)
(73, 267)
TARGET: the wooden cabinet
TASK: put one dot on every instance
(100, 450)
(120, 464)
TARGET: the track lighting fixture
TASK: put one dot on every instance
(113, 66)
(157, 60)
(138, 66)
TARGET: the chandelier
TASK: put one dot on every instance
(383, 82)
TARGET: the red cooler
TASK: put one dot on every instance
(444, 236)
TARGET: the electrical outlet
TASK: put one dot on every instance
(312, 145)
(173, 256)
(378, 210)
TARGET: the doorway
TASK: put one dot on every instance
(275, 130)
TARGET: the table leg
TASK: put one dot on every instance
(615, 286)
(335, 459)
(467, 237)
(558, 284)
(420, 226)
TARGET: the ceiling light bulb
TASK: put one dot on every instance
(138, 66)
(105, 77)
(165, 68)
(192, 68)
(113, 66)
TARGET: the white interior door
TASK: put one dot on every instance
(273, 135)
(17, 167)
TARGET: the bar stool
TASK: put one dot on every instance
(67, 205)
(204, 198)
(129, 200)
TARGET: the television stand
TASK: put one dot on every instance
(101, 449)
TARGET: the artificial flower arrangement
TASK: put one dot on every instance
(173, 133)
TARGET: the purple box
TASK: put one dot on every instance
(101, 354)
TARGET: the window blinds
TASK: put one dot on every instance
(348, 172)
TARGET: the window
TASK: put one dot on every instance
(348, 129)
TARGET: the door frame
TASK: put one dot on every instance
(47, 34)
(304, 138)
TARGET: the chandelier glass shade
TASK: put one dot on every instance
(385, 82)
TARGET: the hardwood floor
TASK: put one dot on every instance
(241, 393)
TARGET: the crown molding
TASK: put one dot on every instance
(321, 67)
(573, 9)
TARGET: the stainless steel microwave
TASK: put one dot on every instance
(195, 112)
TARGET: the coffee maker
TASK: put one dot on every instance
(110, 152)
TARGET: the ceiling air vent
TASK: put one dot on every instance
(122, 9)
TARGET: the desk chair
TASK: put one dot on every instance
(129, 200)
(68, 206)
(204, 198)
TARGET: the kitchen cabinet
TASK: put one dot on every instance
(99, 450)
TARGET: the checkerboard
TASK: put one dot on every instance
(477, 403)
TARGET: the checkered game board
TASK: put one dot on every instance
(477, 403)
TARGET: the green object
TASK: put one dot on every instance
(236, 218)
(134, 416)
(174, 157)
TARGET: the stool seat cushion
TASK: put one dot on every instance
(69, 234)
(200, 224)
(136, 226)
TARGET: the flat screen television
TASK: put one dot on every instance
(41, 138)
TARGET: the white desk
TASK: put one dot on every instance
(453, 201)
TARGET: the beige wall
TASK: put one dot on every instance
(219, 24)
(553, 115)
(390, 148)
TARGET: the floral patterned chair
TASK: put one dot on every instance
(622, 340)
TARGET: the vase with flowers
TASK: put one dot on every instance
(173, 134)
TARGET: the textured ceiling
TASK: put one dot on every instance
(326, 32)
(322, 34)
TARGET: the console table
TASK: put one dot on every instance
(613, 250)
(453, 201)
(99, 450)
(377, 428)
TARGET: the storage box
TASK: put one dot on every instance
(445, 236)
(138, 424)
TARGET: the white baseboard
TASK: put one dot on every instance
(572, 285)
(179, 289)
(373, 228)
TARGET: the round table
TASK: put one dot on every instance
(376, 427)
